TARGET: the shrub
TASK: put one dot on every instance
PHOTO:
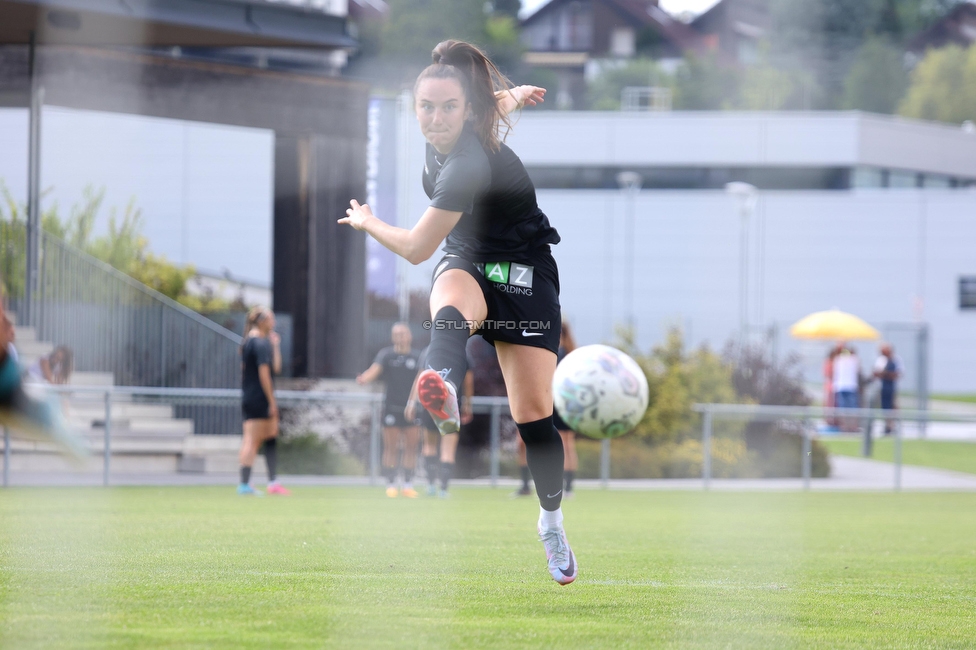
(776, 447)
(631, 458)
(306, 453)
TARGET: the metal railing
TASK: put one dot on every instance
(368, 419)
(116, 324)
(807, 415)
(229, 400)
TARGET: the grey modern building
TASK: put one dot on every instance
(870, 214)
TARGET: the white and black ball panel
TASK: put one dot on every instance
(599, 391)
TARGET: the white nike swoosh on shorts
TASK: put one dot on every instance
(524, 333)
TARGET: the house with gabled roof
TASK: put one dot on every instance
(566, 35)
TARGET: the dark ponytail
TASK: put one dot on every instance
(480, 79)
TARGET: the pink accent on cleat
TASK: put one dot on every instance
(440, 400)
(275, 488)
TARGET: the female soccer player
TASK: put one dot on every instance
(498, 277)
(260, 360)
(397, 366)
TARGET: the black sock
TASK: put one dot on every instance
(544, 454)
(271, 458)
(569, 475)
(526, 476)
(432, 465)
(245, 474)
(448, 339)
(390, 474)
(407, 475)
(447, 470)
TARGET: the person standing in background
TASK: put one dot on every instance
(828, 384)
(397, 366)
(888, 369)
(260, 361)
(847, 380)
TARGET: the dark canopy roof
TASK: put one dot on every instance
(187, 23)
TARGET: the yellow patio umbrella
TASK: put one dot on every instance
(833, 324)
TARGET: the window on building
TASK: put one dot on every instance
(867, 177)
(691, 178)
(901, 179)
(623, 42)
(967, 292)
(936, 181)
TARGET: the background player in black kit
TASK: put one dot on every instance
(260, 361)
(498, 278)
(397, 366)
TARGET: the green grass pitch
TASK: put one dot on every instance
(942, 454)
(349, 568)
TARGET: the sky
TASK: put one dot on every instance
(673, 7)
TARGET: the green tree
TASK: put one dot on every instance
(508, 7)
(122, 247)
(414, 27)
(396, 52)
(877, 80)
(702, 83)
(765, 87)
(603, 93)
(824, 37)
(943, 86)
(676, 380)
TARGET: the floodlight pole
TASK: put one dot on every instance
(747, 196)
(33, 187)
(630, 182)
(404, 110)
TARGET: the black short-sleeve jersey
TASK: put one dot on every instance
(255, 353)
(399, 371)
(501, 219)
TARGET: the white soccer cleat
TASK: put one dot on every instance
(440, 399)
(562, 562)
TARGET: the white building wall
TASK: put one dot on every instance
(888, 256)
(692, 138)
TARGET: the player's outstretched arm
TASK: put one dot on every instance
(519, 96)
(415, 245)
(369, 375)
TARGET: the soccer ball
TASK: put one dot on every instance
(599, 391)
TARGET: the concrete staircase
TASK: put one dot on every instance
(146, 438)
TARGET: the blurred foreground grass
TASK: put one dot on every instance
(349, 568)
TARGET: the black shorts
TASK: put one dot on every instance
(393, 417)
(256, 409)
(522, 298)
